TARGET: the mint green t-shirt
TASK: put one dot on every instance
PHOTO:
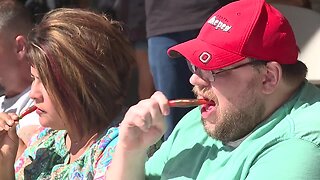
(284, 147)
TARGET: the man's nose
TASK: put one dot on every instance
(196, 80)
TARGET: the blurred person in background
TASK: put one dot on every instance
(132, 15)
(300, 3)
(39, 7)
(15, 79)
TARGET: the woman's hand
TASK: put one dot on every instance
(9, 140)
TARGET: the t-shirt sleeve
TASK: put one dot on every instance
(290, 159)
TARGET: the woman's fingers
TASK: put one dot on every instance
(7, 120)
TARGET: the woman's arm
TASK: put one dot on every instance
(6, 173)
(22, 146)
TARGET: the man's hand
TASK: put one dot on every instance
(142, 126)
(144, 123)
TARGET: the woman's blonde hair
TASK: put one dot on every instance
(84, 62)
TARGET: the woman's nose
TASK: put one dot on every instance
(35, 93)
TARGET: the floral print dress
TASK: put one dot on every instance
(48, 158)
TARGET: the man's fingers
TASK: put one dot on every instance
(162, 102)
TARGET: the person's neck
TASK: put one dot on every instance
(16, 79)
(77, 144)
(15, 90)
(13, 87)
(81, 140)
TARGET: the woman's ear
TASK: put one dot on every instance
(272, 77)
(21, 46)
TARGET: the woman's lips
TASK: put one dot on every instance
(39, 111)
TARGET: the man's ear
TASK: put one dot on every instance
(21, 46)
(272, 77)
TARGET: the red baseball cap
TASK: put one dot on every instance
(241, 29)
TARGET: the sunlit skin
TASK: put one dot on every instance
(15, 77)
(48, 115)
(5, 57)
(238, 102)
(13, 66)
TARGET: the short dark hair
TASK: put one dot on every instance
(294, 73)
(291, 73)
(15, 18)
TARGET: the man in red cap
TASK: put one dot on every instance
(261, 119)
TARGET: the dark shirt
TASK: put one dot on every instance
(168, 16)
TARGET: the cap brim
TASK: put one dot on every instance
(193, 49)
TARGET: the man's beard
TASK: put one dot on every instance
(236, 121)
(234, 124)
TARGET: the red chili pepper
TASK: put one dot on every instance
(28, 111)
(186, 102)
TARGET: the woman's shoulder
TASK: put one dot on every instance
(102, 151)
(42, 133)
(106, 142)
